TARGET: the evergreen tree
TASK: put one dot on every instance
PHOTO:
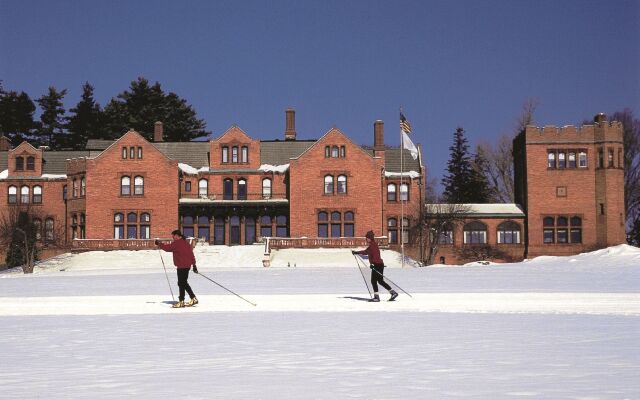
(51, 132)
(481, 189)
(85, 121)
(16, 115)
(145, 104)
(462, 184)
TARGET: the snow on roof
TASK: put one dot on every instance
(488, 209)
(189, 170)
(409, 174)
(4, 174)
(279, 169)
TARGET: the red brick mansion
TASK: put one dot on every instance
(236, 190)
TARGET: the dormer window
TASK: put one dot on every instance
(19, 164)
(31, 163)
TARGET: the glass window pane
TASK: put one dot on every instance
(323, 230)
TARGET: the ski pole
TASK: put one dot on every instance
(228, 290)
(390, 281)
(363, 278)
(166, 275)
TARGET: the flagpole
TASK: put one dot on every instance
(400, 194)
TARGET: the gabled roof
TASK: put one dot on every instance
(191, 153)
(392, 161)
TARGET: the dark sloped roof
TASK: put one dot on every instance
(3, 160)
(279, 152)
(191, 153)
(55, 162)
(98, 144)
(392, 161)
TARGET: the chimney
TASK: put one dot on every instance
(378, 136)
(600, 118)
(158, 132)
(5, 143)
(290, 120)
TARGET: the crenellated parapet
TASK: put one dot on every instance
(600, 131)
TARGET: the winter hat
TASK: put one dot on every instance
(369, 235)
(177, 232)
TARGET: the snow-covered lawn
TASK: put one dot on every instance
(99, 325)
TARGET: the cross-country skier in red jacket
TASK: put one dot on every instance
(377, 267)
(183, 259)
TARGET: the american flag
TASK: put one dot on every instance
(405, 126)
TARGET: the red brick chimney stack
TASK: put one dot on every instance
(378, 136)
(158, 132)
(600, 118)
(5, 143)
(290, 128)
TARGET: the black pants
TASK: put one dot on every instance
(376, 277)
(183, 275)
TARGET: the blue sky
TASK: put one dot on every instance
(339, 63)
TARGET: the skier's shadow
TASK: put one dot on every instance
(357, 298)
(169, 302)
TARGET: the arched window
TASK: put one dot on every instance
(203, 228)
(576, 229)
(582, 159)
(265, 226)
(74, 185)
(203, 188)
(140, 152)
(242, 189)
(509, 233)
(31, 163)
(548, 231)
(37, 194)
(404, 192)
(349, 228)
(249, 230)
(342, 184)
(82, 234)
(562, 161)
(37, 227)
(19, 164)
(551, 159)
(562, 232)
(138, 185)
(245, 154)
(328, 184)
(234, 154)
(218, 230)
(266, 188)
(48, 230)
(391, 192)
(13, 195)
(334, 152)
(132, 225)
(124, 154)
(281, 226)
(225, 154)
(227, 189)
(323, 226)
(118, 225)
(24, 194)
(343, 151)
(145, 226)
(446, 234)
(572, 159)
(125, 186)
(327, 151)
(475, 232)
(392, 229)
(405, 230)
(83, 186)
(187, 226)
(336, 224)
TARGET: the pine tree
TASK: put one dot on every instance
(481, 189)
(85, 121)
(16, 115)
(462, 184)
(145, 104)
(51, 132)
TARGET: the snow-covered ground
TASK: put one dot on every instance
(99, 325)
